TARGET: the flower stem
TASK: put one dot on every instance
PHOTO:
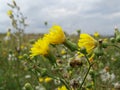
(64, 82)
(90, 65)
(87, 60)
(115, 46)
(85, 77)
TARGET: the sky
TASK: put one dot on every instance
(88, 15)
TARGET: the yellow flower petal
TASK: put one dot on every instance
(56, 35)
(63, 51)
(87, 41)
(9, 12)
(62, 88)
(48, 79)
(41, 80)
(96, 34)
(41, 47)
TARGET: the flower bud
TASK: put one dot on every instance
(43, 72)
(28, 86)
(112, 39)
(117, 32)
(9, 13)
(72, 46)
(98, 51)
(104, 44)
(25, 56)
(118, 38)
(83, 50)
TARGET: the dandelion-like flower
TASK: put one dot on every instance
(96, 34)
(41, 47)
(9, 12)
(56, 35)
(63, 51)
(48, 79)
(87, 42)
(62, 88)
(41, 80)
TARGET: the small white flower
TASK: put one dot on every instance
(28, 76)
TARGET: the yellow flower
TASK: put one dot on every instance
(41, 47)
(62, 88)
(96, 34)
(87, 41)
(48, 79)
(22, 46)
(8, 34)
(20, 57)
(41, 80)
(79, 54)
(9, 12)
(56, 35)
(63, 51)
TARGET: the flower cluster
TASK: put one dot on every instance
(55, 36)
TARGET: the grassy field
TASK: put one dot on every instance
(17, 68)
(56, 60)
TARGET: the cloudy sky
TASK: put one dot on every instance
(88, 15)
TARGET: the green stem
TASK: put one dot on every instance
(85, 77)
(61, 79)
(64, 82)
(90, 65)
(87, 60)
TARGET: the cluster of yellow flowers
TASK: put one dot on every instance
(55, 36)
(46, 79)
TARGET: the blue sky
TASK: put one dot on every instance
(88, 15)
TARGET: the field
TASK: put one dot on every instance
(17, 68)
(57, 60)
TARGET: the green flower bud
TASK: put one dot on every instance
(118, 38)
(104, 44)
(112, 40)
(117, 32)
(98, 51)
(72, 46)
(25, 56)
(83, 50)
(28, 86)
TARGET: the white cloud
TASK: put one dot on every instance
(88, 15)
